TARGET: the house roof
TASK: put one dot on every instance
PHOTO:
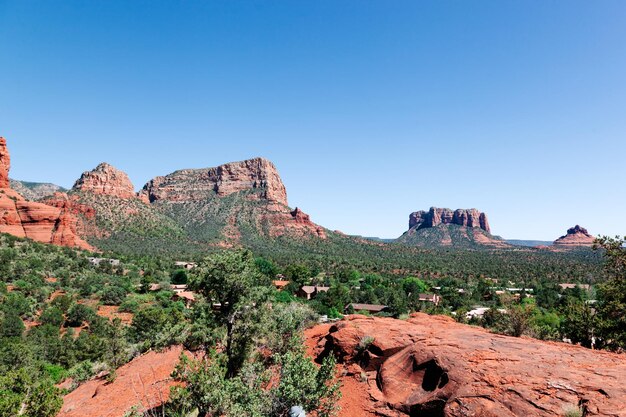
(280, 283)
(428, 297)
(374, 308)
(310, 289)
(187, 295)
(568, 286)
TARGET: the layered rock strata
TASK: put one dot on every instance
(106, 180)
(190, 185)
(461, 217)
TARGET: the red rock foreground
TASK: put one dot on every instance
(143, 383)
(431, 366)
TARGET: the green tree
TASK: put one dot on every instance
(579, 323)
(79, 314)
(52, 316)
(11, 325)
(266, 267)
(179, 277)
(44, 400)
(612, 294)
(298, 274)
(232, 280)
(303, 384)
(113, 295)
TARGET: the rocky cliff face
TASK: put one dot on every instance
(5, 163)
(192, 185)
(433, 366)
(37, 221)
(436, 216)
(106, 180)
(576, 236)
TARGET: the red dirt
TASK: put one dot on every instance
(112, 312)
(354, 393)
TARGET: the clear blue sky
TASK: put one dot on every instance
(370, 109)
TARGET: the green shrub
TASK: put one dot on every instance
(113, 295)
(572, 411)
(79, 314)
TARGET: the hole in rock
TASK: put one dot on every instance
(430, 409)
(434, 375)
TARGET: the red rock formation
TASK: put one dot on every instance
(576, 236)
(258, 181)
(436, 216)
(5, 164)
(106, 180)
(145, 382)
(433, 366)
(199, 184)
(37, 221)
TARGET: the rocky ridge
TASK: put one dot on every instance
(34, 191)
(40, 222)
(576, 237)
(433, 366)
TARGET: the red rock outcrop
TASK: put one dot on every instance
(199, 184)
(5, 163)
(144, 382)
(106, 180)
(576, 236)
(37, 221)
(295, 223)
(461, 217)
(433, 366)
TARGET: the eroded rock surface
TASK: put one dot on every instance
(433, 366)
(143, 383)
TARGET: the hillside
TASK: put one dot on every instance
(34, 191)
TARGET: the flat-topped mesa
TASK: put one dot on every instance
(436, 216)
(106, 180)
(5, 163)
(200, 184)
(576, 236)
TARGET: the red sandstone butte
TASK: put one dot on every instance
(576, 236)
